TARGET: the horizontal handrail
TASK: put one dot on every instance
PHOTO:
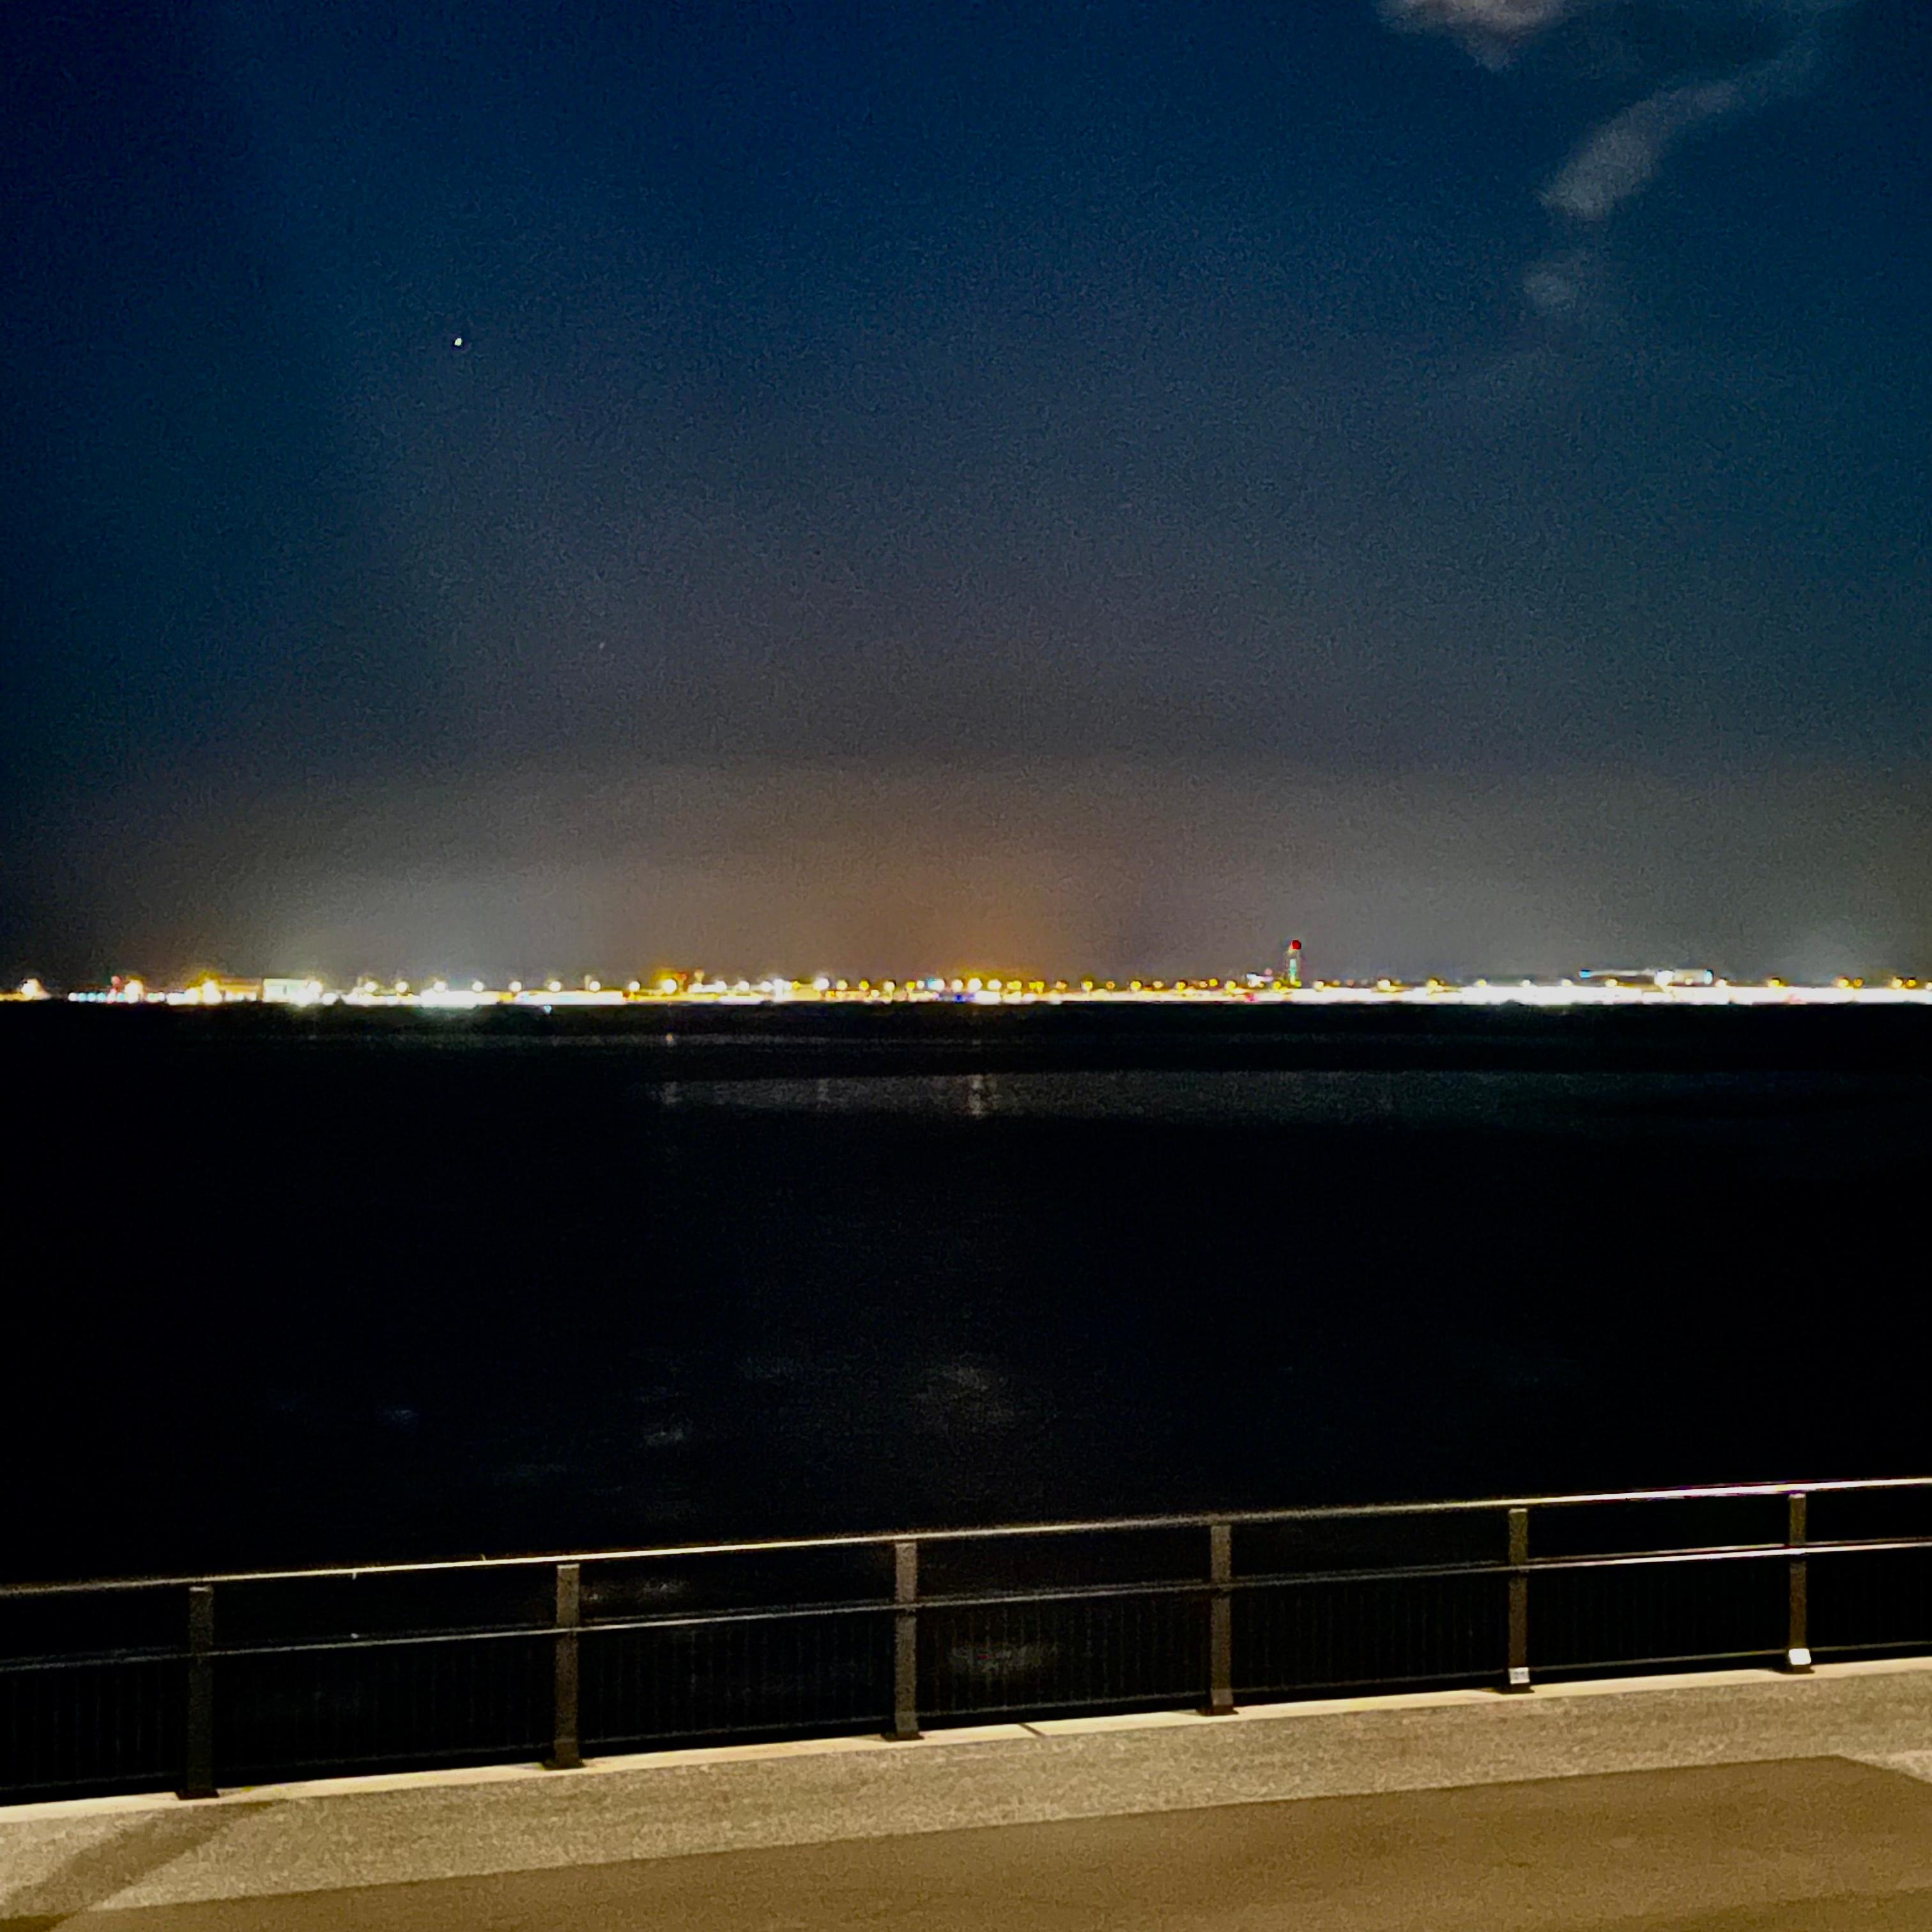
(884, 1605)
(1201, 1519)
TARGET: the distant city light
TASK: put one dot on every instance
(1677, 987)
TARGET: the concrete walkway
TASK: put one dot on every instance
(1813, 1845)
(1739, 1800)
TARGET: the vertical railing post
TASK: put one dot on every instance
(198, 1777)
(1798, 1616)
(566, 1740)
(1220, 1619)
(1517, 1676)
(905, 1640)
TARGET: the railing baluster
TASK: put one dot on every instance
(1517, 1677)
(566, 1747)
(1098, 1643)
(198, 1777)
(905, 1640)
(1798, 1621)
(1220, 1620)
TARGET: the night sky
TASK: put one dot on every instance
(515, 487)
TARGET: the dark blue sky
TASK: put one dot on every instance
(1082, 485)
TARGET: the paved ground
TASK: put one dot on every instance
(1807, 1845)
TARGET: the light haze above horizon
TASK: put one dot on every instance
(1070, 488)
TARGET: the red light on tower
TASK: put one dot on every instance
(1295, 962)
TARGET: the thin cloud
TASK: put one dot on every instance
(1620, 157)
(1492, 30)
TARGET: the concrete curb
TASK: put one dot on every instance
(125, 1851)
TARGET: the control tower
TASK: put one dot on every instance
(1291, 964)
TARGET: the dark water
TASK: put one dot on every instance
(344, 1288)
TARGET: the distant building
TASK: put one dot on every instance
(1647, 975)
(217, 989)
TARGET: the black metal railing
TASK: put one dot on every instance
(194, 1683)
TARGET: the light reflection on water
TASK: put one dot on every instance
(1745, 1108)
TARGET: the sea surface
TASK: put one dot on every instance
(341, 1288)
